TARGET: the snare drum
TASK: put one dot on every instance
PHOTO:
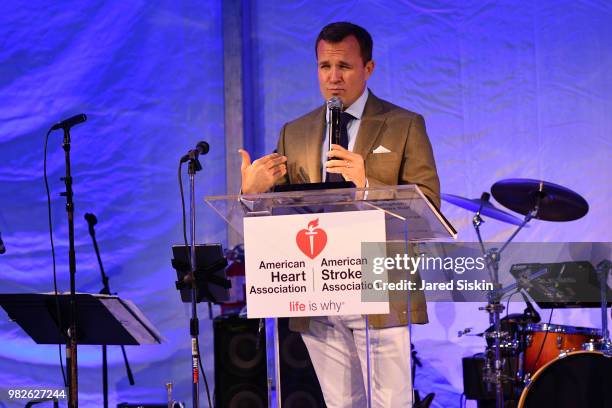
(553, 340)
(580, 379)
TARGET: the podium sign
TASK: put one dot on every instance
(277, 230)
(310, 264)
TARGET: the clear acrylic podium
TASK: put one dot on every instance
(409, 217)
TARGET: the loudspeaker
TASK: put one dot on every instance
(240, 366)
(299, 384)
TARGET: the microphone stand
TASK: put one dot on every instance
(71, 348)
(106, 291)
(194, 324)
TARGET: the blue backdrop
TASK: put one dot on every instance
(508, 89)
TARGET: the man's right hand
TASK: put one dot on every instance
(263, 173)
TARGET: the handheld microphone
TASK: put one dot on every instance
(334, 106)
(2, 247)
(70, 122)
(201, 149)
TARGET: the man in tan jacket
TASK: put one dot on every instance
(384, 145)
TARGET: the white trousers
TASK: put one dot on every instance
(337, 348)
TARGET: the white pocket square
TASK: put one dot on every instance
(381, 149)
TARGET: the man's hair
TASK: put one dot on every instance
(336, 32)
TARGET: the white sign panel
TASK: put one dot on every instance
(309, 265)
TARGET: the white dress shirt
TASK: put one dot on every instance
(356, 110)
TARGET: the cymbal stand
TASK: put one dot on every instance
(494, 307)
(603, 269)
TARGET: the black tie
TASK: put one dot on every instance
(345, 118)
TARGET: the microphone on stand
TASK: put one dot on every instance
(530, 310)
(201, 149)
(70, 122)
(91, 221)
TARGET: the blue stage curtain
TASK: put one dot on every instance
(149, 75)
(510, 89)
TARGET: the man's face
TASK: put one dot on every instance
(341, 70)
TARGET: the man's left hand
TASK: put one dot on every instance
(347, 163)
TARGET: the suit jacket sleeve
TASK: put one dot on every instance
(418, 165)
(280, 149)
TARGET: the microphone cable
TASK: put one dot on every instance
(56, 295)
(184, 222)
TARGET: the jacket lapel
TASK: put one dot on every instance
(372, 122)
(313, 143)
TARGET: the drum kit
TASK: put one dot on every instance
(528, 364)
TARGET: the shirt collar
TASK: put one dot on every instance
(356, 109)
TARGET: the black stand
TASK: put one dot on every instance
(193, 167)
(194, 324)
(91, 221)
(102, 320)
(71, 348)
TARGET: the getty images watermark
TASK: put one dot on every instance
(424, 263)
(460, 272)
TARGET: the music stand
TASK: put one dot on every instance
(102, 319)
(211, 280)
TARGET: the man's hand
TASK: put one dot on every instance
(262, 174)
(347, 163)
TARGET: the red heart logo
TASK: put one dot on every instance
(311, 240)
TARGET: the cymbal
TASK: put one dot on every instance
(488, 209)
(556, 203)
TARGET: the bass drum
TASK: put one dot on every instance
(582, 379)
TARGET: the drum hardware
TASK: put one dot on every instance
(466, 332)
(492, 373)
(594, 345)
(495, 335)
(603, 269)
(589, 346)
(484, 205)
(494, 306)
(527, 378)
(533, 199)
(563, 353)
